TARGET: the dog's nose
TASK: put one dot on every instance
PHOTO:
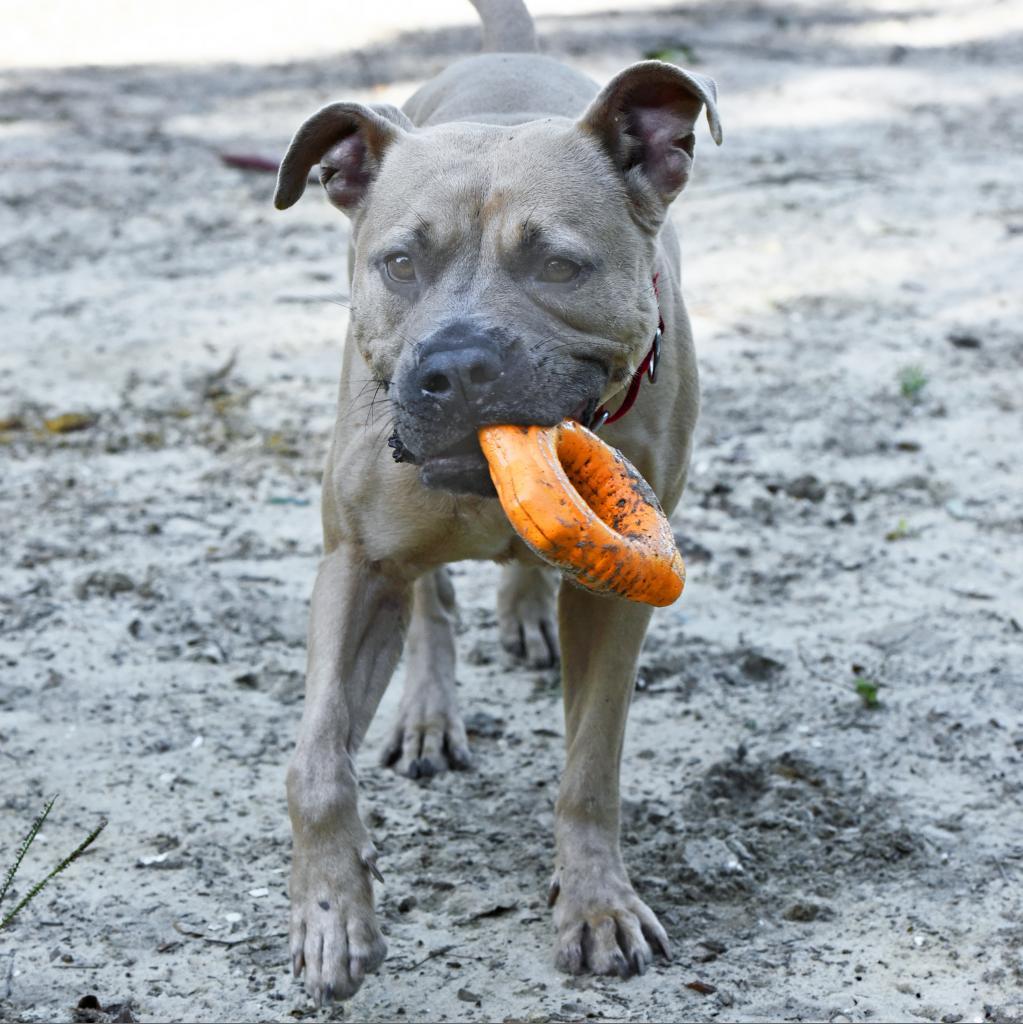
(459, 370)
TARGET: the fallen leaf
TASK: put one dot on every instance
(702, 987)
(69, 422)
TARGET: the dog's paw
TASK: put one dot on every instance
(428, 736)
(334, 934)
(602, 926)
(527, 615)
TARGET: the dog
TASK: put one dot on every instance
(511, 262)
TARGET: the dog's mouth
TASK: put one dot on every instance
(460, 468)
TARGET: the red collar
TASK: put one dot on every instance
(648, 367)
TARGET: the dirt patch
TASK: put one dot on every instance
(823, 767)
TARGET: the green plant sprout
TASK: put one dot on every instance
(912, 380)
(26, 843)
(867, 689)
(902, 531)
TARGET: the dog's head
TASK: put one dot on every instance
(503, 274)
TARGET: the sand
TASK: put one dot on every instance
(853, 258)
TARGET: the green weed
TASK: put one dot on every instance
(912, 381)
(902, 531)
(681, 54)
(26, 843)
(866, 689)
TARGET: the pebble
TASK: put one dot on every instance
(964, 339)
(804, 912)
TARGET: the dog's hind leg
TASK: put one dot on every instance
(602, 925)
(428, 735)
(526, 613)
(355, 636)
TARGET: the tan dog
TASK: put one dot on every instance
(507, 232)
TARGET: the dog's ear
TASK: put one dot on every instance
(348, 141)
(645, 119)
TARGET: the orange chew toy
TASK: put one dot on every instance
(584, 508)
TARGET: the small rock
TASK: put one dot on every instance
(468, 997)
(88, 1011)
(103, 584)
(658, 813)
(806, 488)
(490, 908)
(957, 509)
(485, 725)
(759, 666)
(964, 339)
(709, 858)
(804, 912)
(407, 903)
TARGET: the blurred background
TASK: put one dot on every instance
(822, 773)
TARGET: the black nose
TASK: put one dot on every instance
(459, 369)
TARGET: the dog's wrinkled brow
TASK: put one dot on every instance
(532, 234)
(416, 239)
(538, 239)
(422, 233)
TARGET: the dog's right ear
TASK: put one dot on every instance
(348, 141)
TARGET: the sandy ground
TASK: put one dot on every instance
(854, 258)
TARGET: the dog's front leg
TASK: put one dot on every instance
(602, 925)
(355, 636)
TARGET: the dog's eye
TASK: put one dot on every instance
(400, 268)
(559, 271)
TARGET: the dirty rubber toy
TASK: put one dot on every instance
(585, 509)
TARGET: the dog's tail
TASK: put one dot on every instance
(507, 26)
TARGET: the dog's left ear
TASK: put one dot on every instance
(645, 119)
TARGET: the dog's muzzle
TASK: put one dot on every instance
(468, 375)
